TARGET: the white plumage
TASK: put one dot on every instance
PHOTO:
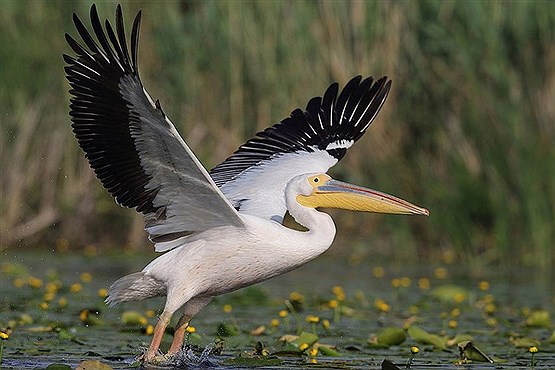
(220, 230)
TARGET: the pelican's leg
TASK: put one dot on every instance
(159, 330)
(191, 309)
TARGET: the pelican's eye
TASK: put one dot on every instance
(318, 180)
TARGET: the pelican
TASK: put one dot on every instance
(219, 230)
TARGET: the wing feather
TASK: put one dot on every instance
(133, 148)
(307, 141)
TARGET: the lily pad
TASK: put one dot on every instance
(539, 319)
(470, 352)
(422, 336)
(391, 336)
(93, 365)
(450, 293)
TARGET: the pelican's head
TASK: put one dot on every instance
(320, 190)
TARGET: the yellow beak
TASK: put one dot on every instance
(330, 193)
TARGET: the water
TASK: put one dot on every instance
(53, 329)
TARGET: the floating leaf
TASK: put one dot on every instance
(93, 365)
(327, 350)
(458, 338)
(450, 293)
(470, 352)
(524, 342)
(391, 336)
(539, 319)
(133, 318)
(422, 336)
(227, 330)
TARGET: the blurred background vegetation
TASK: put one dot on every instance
(467, 131)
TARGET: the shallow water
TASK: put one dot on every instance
(496, 314)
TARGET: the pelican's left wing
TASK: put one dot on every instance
(133, 148)
(254, 177)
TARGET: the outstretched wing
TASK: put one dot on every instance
(255, 176)
(133, 148)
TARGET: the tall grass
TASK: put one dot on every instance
(468, 130)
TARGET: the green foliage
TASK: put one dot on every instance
(468, 130)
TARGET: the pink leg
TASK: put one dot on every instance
(191, 309)
(159, 330)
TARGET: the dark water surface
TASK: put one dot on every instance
(503, 312)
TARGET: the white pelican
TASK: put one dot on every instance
(222, 230)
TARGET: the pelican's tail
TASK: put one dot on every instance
(134, 287)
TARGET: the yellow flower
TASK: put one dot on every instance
(414, 350)
(483, 285)
(491, 321)
(149, 330)
(49, 296)
(150, 313)
(378, 272)
(459, 297)
(381, 305)
(339, 292)
(424, 283)
(18, 283)
(533, 349)
(396, 283)
(405, 282)
(62, 301)
(312, 319)
(455, 312)
(296, 297)
(440, 273)
(102, 292)
(84, 315)
(303, 346)
(452, 324)
(326, 324)
(86, 277)
(34, 282)
(52, 287)
(75, 288)
(227, 308)
(275, 323)
(313, 352)
(333, 303)
(44, 305)
(191, 329)
(4, 335)
(283, 313)
(490, 308)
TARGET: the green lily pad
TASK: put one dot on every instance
(449, 293)
(470, 352)
(327, 350)
(391, 336)
(422, 336)
(93, 365)
(227, 330)
(539, 319)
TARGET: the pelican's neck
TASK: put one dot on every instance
(321, 228)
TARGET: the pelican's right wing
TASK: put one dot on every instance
(134, 149)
